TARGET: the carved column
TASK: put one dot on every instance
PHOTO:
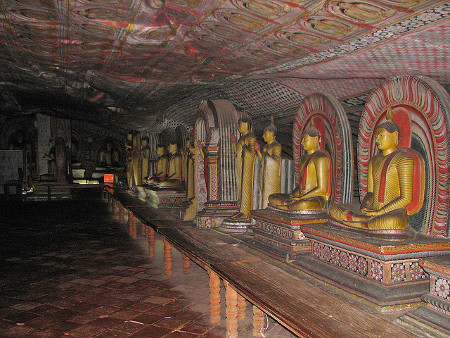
(212, 165)
(186, 265)
(231, 297)
(167, 257)
(214, 296)
(258, 321)
(241, 307)
(143, 229)
(109, 200)
(151, 242)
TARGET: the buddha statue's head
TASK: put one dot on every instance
(386, 136)
(310, 139)
(270, 132)
(144, 142)
(160, 150)
(244, 125)
(172, 148)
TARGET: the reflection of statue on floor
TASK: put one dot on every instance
(389, 188)
(245, 158)
(313, 191)
(270, 158)
(174, 177)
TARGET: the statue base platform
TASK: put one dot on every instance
(278, 232)
(381, 273)
(235, 225)
(172, 200)
(432, 320)
(213, 214)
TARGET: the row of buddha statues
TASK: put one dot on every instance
(390, 176)
(168, 171)
(390, 179)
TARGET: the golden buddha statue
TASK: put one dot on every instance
(390, 183)
(136, 159)
(245, 152)
(161, 166)
(270, 158)
(314, 190)
(174, 178)
(145, 158)
(128, 154)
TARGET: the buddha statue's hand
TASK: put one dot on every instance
(372, 212)
(233, 138)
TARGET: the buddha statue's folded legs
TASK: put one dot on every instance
(351, 216)
(289, 202)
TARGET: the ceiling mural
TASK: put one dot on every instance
(136, 64)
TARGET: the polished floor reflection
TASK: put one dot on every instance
(68, 268)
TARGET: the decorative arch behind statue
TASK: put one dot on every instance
(421, 108)
(329, 117)
(216, 121)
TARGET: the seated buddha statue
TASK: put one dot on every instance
(390, 183)
(174, 178)
(314, 189)
(161, 166)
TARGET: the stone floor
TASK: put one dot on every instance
(68, 268)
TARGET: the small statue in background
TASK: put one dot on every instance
(174, 177)
(245, 159)
(108, 156)
(314, 189)
(270, 158)
(145, 158)
(136, 160)
(390, 184)
(161, 166)
(128, 154)
(51, 162)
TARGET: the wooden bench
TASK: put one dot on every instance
(303, 308)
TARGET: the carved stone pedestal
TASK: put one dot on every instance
(213, 214)
(434, 318)
(279, 232)
(381, 273)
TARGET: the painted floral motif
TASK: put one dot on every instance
(343, 259)
(362, 266)
(335, 256)
(327, 253)
(376, 271)
(416, 271)
(442, 288)
(398, 272)
(352, 263)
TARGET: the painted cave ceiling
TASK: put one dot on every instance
(132, 64)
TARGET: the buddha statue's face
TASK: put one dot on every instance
(243, 127)
(173, 148)
(310, 143)
(386, 140)
(160, 151)
(268, 136)
(144, 142)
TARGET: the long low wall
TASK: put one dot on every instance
(303, 308)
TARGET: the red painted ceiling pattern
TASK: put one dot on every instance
(144, 58)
